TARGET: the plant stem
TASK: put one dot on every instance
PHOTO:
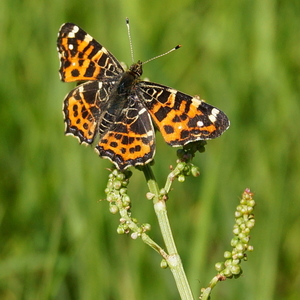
(172, 258)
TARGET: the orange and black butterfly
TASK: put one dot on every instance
(118, 109)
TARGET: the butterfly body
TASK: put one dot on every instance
(118, 108)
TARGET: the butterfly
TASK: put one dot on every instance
(118, 110)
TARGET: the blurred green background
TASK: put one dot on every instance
(57, 241)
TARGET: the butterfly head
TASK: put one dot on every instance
(136, 69)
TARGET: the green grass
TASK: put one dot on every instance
(58, 242)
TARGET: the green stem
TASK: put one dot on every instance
(172, 176)
(205, 294)
(135, 228)
(172, 258)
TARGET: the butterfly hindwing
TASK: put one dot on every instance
(82, 109)
(130, 140)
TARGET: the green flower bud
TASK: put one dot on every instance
(120, 230)
(227, 254)
(219, 266)
(240, 247)
(235, 269)
(180, 166)
(195, 171)
(117, 185)
(113, 209)
(134, 235)
(164, 264)
(181, 178)
(146, 227)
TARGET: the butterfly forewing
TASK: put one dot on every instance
(82, 57)
(181, 118)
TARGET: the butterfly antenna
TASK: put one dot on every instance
(155, 57)
(129, 37)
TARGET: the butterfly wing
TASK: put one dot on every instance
(130, 139)
(82, 58)
(179, 117)
(83, 107)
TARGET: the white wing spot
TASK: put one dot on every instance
(172, 91)
(75, 29)
(214, 114)
(81, 89)
(215, 111)
(196, 102)
(212, 118)
(150, 133)
(71, 34)
(71, 46)
(200, 124)
(88, 38)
